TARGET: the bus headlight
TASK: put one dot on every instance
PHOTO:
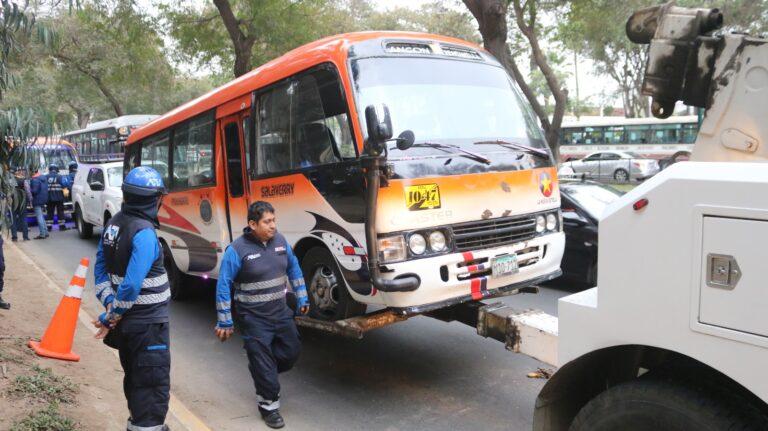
(541, 223)
(392, 249)
(437, 241)
(417, 244)
(551, 221)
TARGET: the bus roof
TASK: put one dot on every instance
(118, 122)
(290, 63)
(621, 121)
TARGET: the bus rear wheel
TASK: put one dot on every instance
(328, 296)
(654, 404)
(176, 278)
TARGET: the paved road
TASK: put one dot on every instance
(420, 374)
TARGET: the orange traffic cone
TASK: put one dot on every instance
(57, 340)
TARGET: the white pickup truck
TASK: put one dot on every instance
(96, 195)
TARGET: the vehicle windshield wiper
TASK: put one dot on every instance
(448, 147)
(517, 147)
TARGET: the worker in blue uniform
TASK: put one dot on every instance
(69, 180)
(132, 284)
(55, 197)
(258, 268)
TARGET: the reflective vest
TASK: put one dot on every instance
(262, 282)
(151, 306)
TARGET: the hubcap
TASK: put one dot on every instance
(324, 289)
(621, 176)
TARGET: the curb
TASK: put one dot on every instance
(179, 411)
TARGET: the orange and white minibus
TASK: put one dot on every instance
(462, 204)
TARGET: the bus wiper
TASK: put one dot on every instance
(448, 147)
(517, 147)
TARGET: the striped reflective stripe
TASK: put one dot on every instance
(103, 290)
(223, 305)
(122, 304)
(301, 293)
(154, 298)
(132, 427)
(267, 404)
(259, 285)
(298, 282)
(148, 282)
(224, 317)
(260, 298)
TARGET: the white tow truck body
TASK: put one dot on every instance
(681, 305)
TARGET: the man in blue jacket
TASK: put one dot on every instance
(132, 284)
(258, 267)
(69, 180)
(39, 188)
(55, 196)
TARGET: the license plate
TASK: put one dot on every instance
(504, 265)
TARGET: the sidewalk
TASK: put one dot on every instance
(98, 403)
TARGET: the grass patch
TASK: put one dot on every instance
(44, 385)
(12, 350)
(47, 419)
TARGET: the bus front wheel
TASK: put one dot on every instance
(328, 296)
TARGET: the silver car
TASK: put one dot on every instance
(617, 166)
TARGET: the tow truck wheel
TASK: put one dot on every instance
(328, 296)
(84, 229)
(659, 405)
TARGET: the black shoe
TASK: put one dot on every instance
(41, 237)
(14, 239)
(26, 239)
(273, 419)
(50, 228)
(6, 306)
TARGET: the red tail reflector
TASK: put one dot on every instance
(642, 203)
(349, 250)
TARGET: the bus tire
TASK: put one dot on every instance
(651, 404)
(84, 229)
(621, 175)
(176, 278)
(328, 296)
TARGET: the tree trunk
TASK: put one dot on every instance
(97, 80)
(491, 16)
(242, 43)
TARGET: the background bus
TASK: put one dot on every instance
(669, 140)
(104, 141)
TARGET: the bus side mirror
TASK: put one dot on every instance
(379, 128)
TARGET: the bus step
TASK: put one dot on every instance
(354, 327)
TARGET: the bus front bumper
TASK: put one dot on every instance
(461, 277)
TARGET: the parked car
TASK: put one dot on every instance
(96, 195)
(582, 204)
(618, 166)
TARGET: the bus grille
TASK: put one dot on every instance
(493, 233)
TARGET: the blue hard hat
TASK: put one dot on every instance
(53, 167)
(72, 166)
(143, 181)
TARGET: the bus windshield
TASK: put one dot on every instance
(454, 104)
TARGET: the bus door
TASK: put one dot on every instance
(237, 191)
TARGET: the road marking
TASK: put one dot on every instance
(180, 411)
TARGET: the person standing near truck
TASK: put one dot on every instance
(259, 265)
(24, 192)
(132, 284)
(55, 197)
(39, 187)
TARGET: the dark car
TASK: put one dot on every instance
(583, 203)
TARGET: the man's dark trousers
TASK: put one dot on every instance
(272, 344)
(145, 355)
(57, 207)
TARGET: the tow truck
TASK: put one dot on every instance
(675, 335)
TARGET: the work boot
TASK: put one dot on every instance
(4, 305)
(273, 419)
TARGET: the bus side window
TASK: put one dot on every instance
(193, 153)
(155, 153)
(274, 130)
